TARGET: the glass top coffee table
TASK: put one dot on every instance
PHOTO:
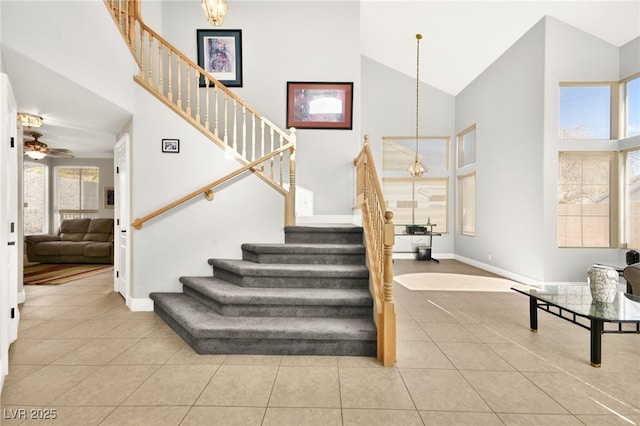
(573, 303)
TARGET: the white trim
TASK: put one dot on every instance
(140, 305)
(22, 296)
(507, 274)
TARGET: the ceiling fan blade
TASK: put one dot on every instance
(59, 152)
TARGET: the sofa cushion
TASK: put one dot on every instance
(73, 229)
(100, 230)
(72, 248)
(47, 248)
(98, 249)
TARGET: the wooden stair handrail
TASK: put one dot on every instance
(218, 113)
(379, 238)
(207, 190)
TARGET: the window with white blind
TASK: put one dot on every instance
(632, 107)
(77, 190)
(416, 200)
(632, 199)
(467, 204)
(585, 182)
(467, 147)
(35, 197)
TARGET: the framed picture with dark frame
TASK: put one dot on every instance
(109, 197)
(171, 145)
(318, 105)
(220, 54)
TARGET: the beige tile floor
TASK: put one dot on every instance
(463, 359)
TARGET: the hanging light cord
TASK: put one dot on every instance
(418, 38)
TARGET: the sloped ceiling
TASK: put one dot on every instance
(461, 39)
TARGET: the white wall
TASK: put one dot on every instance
(388, 109)
(630, 58)
(181, 242)
(571, 55)
(506, 105)
(53, 32)
(278, 46)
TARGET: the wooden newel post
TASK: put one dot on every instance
(389, 241)
(389, 355)
(290, 199)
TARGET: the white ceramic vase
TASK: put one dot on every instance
(603, 283)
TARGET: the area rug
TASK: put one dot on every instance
(61, 273)
(453, 282)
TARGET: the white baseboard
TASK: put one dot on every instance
(22, 296)
(140, 305)
(507, 274)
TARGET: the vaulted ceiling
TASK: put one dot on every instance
(460, 40)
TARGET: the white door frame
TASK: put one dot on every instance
(122, 240)
(9, 246)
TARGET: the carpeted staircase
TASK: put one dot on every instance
(308, 296)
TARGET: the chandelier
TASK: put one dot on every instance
(215, 10)
(417, 168)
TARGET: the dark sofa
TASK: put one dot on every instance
(632, 275)
(77, 241)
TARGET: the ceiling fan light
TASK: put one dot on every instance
(29, 120)
(36, 155)
(215, 10)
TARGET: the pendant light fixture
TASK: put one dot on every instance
(215, 10)
(417, 168)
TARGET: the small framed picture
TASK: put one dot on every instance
(171, 145)
(109, 197)
(220, 54)
(317, 105)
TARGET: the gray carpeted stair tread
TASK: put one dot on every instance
(324, 228)
(202, 323)
(323, 234)
(305, 248)
(224, 292)
(246, 268)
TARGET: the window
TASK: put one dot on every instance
(466, 212)
(585, 111)
(632, 199)
(467, 147)
(35, 198)
(467, 204)
(632, 107)
(585, 180)
(416, 200)
(77, 190)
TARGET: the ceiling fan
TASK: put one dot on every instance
(38, 150)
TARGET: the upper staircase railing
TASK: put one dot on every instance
(380, 238)
(209, 106)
